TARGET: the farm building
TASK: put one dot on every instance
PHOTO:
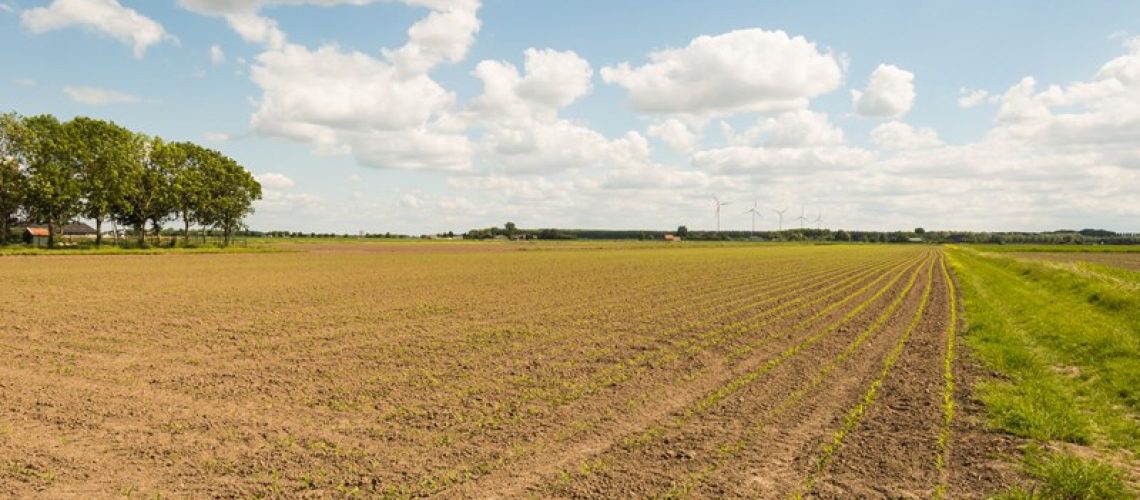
(71, 231)
(37, 236)
(78, 230)
(672, 237)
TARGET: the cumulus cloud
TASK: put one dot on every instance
(802, 128)
(889, 93)
(273, 180)
(896, 135)
(518, 114)
(1102, 113)
(745, 70)
(99, 96)
(384, 110)
(106, 17)
(217, 55)
(764, 160)
(675, 133)
(969, 98)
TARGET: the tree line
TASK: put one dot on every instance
(1064, 236)
(52, 172)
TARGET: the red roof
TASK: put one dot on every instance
(38, 231)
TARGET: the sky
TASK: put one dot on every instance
(424, 116)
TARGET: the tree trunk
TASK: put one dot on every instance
(98, 232)
(186, 232)
(141, 230)
(51, 234)
(4, 229)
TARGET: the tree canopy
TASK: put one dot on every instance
(53, 172)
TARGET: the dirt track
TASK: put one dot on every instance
(444, 374)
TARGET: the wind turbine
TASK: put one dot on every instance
(818, 220)
(801, 218)
(781, 212)
(718, 205)
(754, 213)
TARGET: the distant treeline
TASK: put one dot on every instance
(52, 172)
(1084, 236)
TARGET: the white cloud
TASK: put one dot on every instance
(217, 136)
(97, 96)
(675, 133)
(896, 135)
(519, 117)
(764, 160)
(445, 35)
(969, 98)
(104, 16)
(273, 180)
(5, 7)
(890, 93)
(386, 111)
(258, 29)
(802, 128)
(745, 70)
(217, 55)
(24, 82)
(352, 102)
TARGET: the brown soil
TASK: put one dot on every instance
(471, 374)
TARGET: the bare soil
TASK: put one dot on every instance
(468, 373)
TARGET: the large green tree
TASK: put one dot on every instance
(11, 175)
(189, 165)
(53, 192)
(103, 153)
(149, 177)
(230, 191)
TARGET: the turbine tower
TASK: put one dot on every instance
(781, 212)
(801, 218)
(819, 220)
(754, 213)
(718, 205)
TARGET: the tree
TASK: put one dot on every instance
(101, 152)
(148, 200)
(11, 176)
(510, 228)
(919, 231)
(188, 183)
(53, 191)
(682, 231)
(230, 191)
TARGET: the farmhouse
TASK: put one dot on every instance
(672, 237)
(37, 236)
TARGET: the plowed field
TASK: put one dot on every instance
(762, 371)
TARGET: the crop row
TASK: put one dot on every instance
(856, 414)
(824, 292)
(727, 451)
(737, 383)
(948, 387)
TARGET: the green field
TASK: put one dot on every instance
(1064, 339)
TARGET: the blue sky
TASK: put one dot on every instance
(434, 115)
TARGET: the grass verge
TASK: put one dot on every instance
(1066, 347)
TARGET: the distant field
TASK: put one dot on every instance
(1057, 248)
(1127, 261)
(476, 369)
